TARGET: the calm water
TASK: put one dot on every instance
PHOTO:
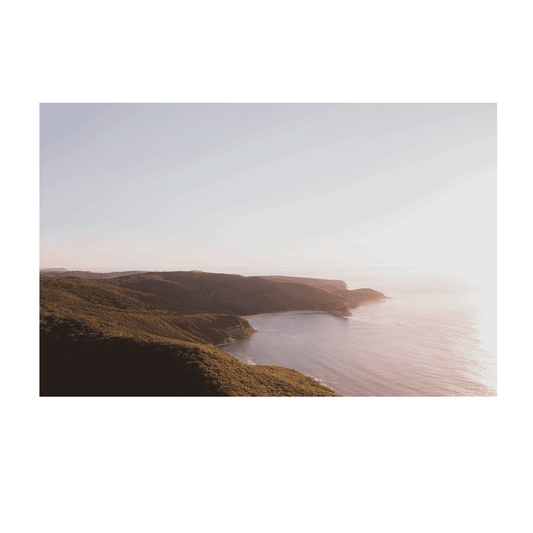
(430, 338)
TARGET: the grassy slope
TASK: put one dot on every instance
(101, 338)
(104, 307)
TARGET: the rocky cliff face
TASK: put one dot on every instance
(240, 331)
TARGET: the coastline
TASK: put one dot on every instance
(303, 312)
(176, 301)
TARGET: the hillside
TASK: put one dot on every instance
(195, 292)
(51, 273)
(324, 284)
(154, 334)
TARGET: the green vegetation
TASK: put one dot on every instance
(103, 307)
(154, 334)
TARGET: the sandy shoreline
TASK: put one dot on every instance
(303, 312)
(287, 313)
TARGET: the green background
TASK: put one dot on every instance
(259, 474)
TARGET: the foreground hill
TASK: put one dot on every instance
(155, 334)
(77, 361)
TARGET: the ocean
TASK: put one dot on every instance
(432, 336)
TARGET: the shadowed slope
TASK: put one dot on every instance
(227, 293)
(78, 362)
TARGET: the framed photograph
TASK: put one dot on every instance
(223, 249)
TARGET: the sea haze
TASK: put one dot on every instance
(431, 337)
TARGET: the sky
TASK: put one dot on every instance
(218, 186)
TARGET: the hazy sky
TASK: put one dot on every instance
(201, 186)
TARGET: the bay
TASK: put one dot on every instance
(430, 337)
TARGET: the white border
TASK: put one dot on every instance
(30, 96)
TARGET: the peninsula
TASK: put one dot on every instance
(154, 333)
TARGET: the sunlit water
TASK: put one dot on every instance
(429, 338)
